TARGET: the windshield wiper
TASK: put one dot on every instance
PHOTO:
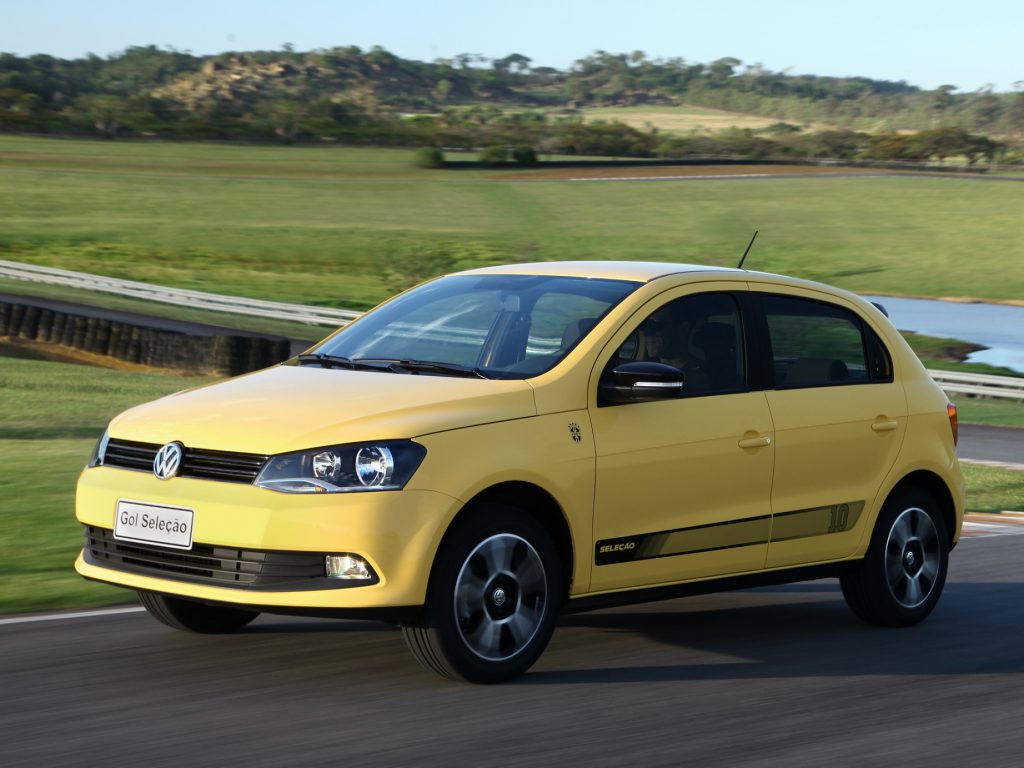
(397, 365)
(332, 361)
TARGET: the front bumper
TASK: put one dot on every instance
(396, 532)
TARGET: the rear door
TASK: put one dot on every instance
(839, 422)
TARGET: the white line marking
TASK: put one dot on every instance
(78, 615)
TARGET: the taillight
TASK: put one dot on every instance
(951, 411)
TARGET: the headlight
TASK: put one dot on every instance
(385, 466)
(99, 451)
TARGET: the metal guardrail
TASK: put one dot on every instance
(971, 384)
(980, 385)
(178, 296)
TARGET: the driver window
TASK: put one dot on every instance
(700, 335)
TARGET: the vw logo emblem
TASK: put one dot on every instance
(167, 461)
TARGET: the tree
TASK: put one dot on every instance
(443, 90)
(287, 118)
(987, 108)
(721, 70)
(515, 63)
(106, 113)
(944, 142)
(978, 147)
(1015, 114)
(467, 60)
(941, 101)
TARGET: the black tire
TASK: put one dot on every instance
(191, 616)
(492, 601)
(901, 577)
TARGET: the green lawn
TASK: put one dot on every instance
(990, 489)
(1000, 413)
(53, 415)
(345, 227)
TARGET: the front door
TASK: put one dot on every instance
(683, 485)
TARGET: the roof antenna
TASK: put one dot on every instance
(744, 257)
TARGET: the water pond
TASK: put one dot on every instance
(999, 327)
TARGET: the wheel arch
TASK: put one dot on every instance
(938, 490)
(532, 500)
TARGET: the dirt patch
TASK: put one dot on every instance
(686, 119)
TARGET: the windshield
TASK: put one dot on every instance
(496, 326)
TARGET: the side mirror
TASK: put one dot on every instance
(640, 382)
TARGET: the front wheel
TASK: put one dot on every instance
(492, 600)
(901, 577)
(191, 616)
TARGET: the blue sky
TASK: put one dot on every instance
(967, 44)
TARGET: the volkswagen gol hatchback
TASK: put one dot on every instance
(496, 446)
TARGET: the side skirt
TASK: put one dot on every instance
(690, 589)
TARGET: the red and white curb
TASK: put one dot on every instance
(980, 525)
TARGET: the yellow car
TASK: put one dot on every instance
(496, 446)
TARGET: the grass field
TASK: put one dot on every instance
(53, 415)
(996, 413)
(993, 490)
(345, 227)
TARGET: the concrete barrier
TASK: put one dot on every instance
(218, 353)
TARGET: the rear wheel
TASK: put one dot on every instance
(191, 616)
(901, 578)
(492, 601)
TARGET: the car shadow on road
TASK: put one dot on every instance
(798, 631)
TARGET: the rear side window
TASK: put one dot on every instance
(815, 344)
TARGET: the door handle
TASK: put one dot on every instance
(755, 442)
(885, 426)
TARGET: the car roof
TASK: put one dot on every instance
(648, 271)
(640, 271)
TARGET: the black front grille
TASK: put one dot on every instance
(196, 462)
(220, 566)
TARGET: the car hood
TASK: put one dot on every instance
(290, 408)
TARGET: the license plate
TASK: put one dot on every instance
(154, 524)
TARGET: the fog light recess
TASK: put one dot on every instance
(348, 567)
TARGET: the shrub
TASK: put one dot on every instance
(524, 155)
(495, 154)
(429, 157)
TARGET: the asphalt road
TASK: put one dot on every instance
(776, 677)
(984, 443)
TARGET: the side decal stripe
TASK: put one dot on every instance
(752, 531)
(818, 521)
